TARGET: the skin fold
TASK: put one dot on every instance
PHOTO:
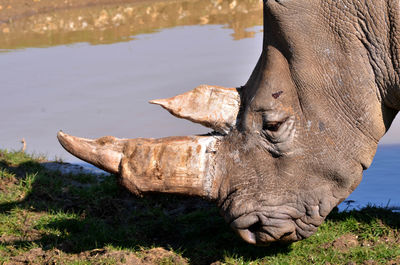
(323, 93)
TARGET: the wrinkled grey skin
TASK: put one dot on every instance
(328, 74)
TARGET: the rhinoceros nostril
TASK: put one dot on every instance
(256, 227)
(286, 235)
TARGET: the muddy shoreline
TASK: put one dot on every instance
(12, 10)
(44, 23)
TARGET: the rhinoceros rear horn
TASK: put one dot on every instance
(212, 106)
(183, 165)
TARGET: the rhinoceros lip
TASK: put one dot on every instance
(247, 236)
(263, 237)
(255, 229)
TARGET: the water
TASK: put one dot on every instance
(381, 182)
(92, 90)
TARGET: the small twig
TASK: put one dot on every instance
(387, 205)
(23, 145)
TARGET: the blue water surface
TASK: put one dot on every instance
(381, 182)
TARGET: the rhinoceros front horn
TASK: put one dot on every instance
(183, 165)
(105, 152)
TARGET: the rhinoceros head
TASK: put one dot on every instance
(292, 143)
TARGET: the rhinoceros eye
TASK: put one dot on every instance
(278, 127)
(272, 126)
(273, 121)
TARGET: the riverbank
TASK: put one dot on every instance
(48, 217)
(43, 23)
(13, 10)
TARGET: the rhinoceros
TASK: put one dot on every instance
(292, 143)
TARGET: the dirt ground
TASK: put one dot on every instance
(11, 10)
(98, 256)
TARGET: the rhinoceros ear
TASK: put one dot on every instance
(212, 106)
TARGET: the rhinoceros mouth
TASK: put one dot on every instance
(258, 232)
(264, 237)
(262, 229)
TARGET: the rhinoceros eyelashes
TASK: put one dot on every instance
(272, 126)
(272, 120)
(278, 131)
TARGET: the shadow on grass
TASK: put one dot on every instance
(83, 214)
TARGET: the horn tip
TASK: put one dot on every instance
(61, 135)
(160, 102)
(64, 139)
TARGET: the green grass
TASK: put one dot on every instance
(47, 217)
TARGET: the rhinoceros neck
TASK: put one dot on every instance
(378, 29)
(392, 93)
(367, 90)
(380, 35)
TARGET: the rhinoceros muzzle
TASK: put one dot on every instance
(258, 229)
(283, 224)
(183, 165)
